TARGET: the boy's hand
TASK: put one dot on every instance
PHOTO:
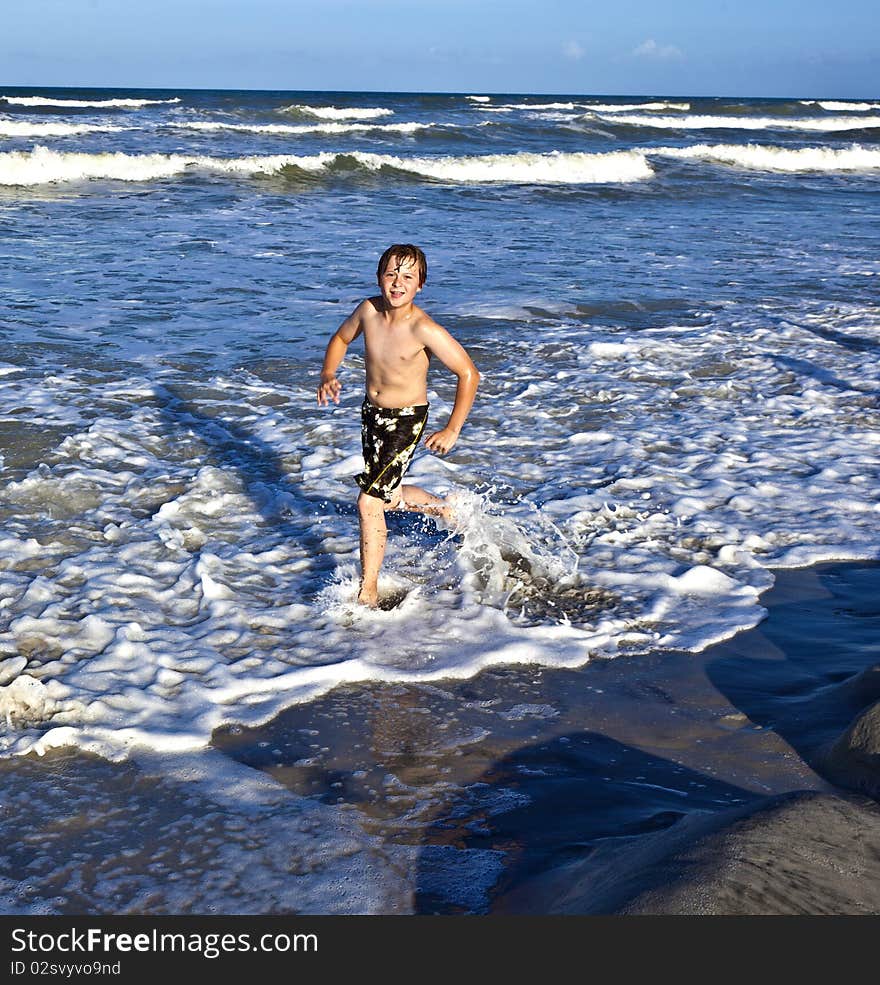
(441, 442)
(328, 390)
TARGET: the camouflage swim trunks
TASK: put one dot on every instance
(390, 436)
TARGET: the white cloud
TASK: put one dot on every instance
(650, 49)
(571, 49)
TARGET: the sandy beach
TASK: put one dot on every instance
(659, 783)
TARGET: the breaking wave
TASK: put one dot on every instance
(12, 128)
(552, 168)
(741, 122)
(43, 166)
(593, 107)
(335, 113)
(330, 128)
(840, 106)
(626, 107)
(86, 103)
(767, 158)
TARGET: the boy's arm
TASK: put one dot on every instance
(454, 357)
(348, 331)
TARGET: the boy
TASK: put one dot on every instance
(399, 340)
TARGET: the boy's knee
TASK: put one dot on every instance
(369, 505)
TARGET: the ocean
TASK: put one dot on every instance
(673, 305)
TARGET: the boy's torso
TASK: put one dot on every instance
(396, 361)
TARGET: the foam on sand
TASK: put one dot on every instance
(790, 160)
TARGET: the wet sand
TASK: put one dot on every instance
(665, 783)
(522, 771)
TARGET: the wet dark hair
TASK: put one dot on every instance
(404, 252)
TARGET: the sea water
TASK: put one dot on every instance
(673, 305)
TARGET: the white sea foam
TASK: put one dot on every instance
(625, 107)
(594, 107)
(340, 113)
(550, 114)
(794, 160)
(166, 597)
(86, 103)
(552, 168)
(828, 124)
(16, 128)
(537, 106)
(841, 106)
(43, 166)
(329, 128)
(478, 99)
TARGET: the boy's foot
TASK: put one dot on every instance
(368, 597)
(448, 512)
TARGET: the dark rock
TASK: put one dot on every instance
(853, 761)
(798, 853)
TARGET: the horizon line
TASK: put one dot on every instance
(426, 92)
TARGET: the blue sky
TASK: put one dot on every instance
(716, 47)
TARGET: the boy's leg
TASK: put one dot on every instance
(374, 533)
(419, 500)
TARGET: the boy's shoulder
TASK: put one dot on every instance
(371, 306)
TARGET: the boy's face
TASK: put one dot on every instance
(399, 282)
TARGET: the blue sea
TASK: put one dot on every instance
(673, 302)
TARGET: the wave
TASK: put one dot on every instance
(540, 105)
(767, 158)
(838, 106)
(12, 128)
(334, 113)
(742, 122)
(625, 107)
(332, 128)
(44, 166)
(478, 99)
(538, 169)
(593, 107)
(86, 103)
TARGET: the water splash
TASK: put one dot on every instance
(525, 566)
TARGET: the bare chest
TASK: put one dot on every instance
(393, 347)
